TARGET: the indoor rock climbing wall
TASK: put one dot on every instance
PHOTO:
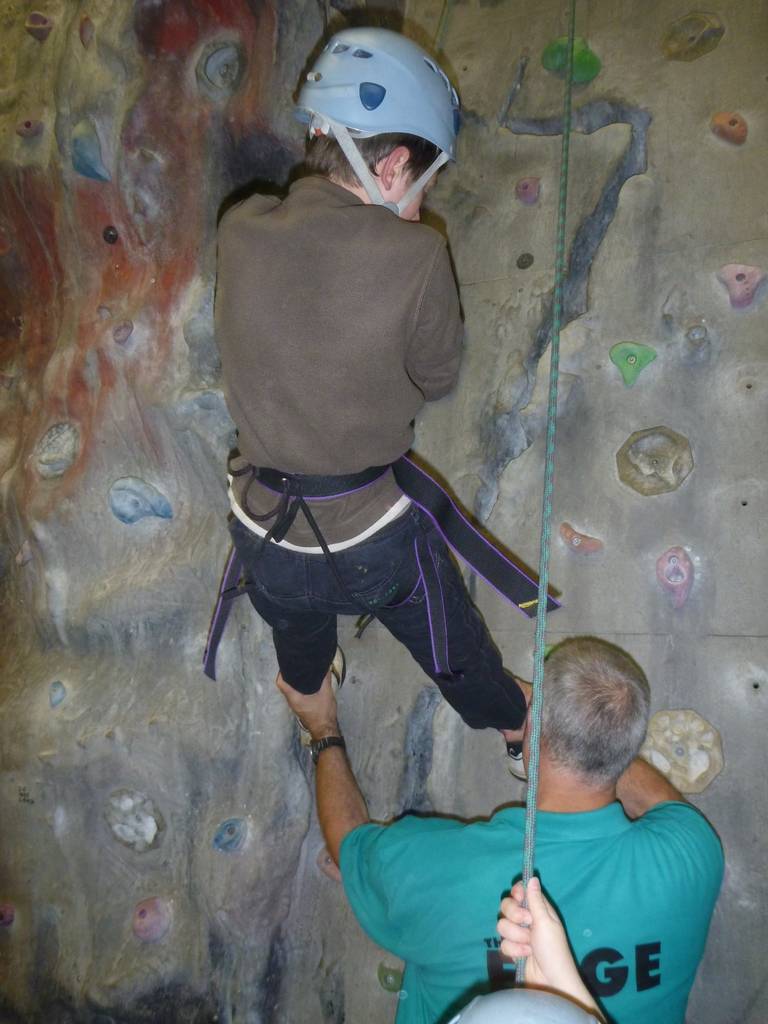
(160, 857)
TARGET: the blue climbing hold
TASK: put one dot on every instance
(230, 835)
(132, 499)
(57, 693)
(86, 152)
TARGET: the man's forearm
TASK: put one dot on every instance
(641, 787)
(340, 804)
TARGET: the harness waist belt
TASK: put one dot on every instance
(484, 556)
(295, 484)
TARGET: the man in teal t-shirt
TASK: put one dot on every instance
(633, 869)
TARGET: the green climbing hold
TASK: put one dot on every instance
(631, 359)
(390, 978)
(586, 64)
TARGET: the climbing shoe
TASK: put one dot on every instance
(338, 672)
(515, 764)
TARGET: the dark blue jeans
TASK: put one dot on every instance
(299, 596)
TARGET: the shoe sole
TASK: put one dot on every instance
(515, 763)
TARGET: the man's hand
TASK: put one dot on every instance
(317, 711)
(538, 935)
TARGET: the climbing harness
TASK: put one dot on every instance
(529, 840)
(296, 493)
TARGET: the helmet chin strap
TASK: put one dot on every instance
(419, 184)
(367, 180)
(359, 166)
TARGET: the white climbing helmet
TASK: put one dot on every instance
(522, 1006)
(370, 81)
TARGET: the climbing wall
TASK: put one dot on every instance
(161, 860)
(660, 482)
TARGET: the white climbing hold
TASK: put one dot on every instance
(685, 748)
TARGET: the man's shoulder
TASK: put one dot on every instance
(676, 835)
(675, 815)
(413, 831)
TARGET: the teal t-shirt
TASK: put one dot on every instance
(636, 899)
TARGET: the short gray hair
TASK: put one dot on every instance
(596, 705)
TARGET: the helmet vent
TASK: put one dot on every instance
(340, 48)
(362, 53)
(371, 95)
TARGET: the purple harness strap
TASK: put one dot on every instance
(227, 591)
(481, 553)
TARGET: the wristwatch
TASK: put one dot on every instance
(316, 747)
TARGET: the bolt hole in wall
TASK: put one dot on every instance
(744, 504)
(755, 686)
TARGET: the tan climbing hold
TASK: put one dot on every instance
(685, 748)
(692, 36)
(654, 461)
(729, 126)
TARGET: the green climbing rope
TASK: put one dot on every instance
(529, 842)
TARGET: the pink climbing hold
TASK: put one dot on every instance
(674, 571)
(729, 126)
(38, 26)
(152, 919)
(581, 543)
(86, 31)
(29, 129)
(742, 282)
(7, 915)
(527, 190)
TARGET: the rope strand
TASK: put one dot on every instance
(529, 841)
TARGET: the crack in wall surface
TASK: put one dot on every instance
(505, 434)
(419, 740)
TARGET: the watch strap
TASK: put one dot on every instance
(318, 746)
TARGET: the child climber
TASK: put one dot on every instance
(337, 317)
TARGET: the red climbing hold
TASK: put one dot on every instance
(729, 126)
(582, 543)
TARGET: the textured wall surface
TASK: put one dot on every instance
(160, 857)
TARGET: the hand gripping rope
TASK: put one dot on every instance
(529, 841)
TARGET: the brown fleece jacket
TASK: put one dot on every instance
(335, 321)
